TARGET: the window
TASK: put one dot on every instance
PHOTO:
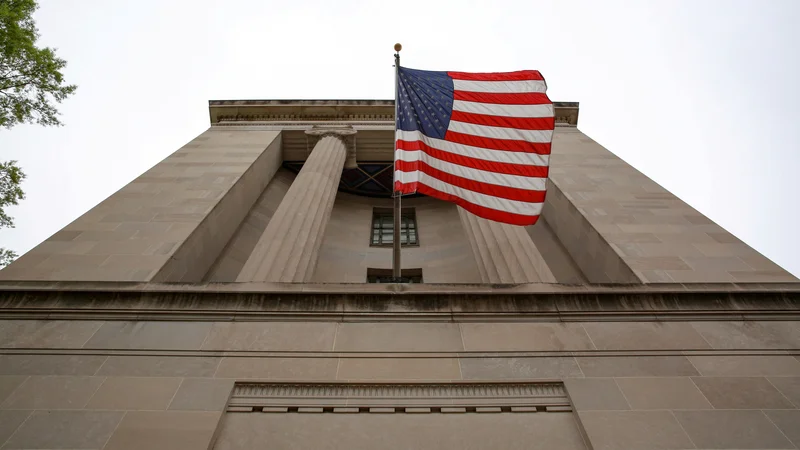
(383, 227)
(385, 276)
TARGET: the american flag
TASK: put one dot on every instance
(480, 140)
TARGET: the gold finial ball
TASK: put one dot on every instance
(398, 47)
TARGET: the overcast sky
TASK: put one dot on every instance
(702, 96)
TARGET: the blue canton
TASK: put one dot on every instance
(425, 102)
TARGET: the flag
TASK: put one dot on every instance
(480, 140)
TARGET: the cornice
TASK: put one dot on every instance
(257, 112)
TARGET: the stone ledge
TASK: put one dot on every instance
(396, 289)
(245, 301)
(461, 355)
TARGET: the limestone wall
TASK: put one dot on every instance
(621, 226)
(170, 223)
(165, 384)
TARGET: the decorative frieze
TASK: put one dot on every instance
(227, 112)
(405, 398)
(304, 117)
(341, 119)
(397, 391)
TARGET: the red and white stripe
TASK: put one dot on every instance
(494, 159)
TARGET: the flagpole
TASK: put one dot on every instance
(396, 272)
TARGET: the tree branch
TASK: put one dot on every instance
(14, 86)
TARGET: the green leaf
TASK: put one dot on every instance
(31, 82)
(7, 256)
(11, 193)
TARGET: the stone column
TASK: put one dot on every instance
(288, 249)
(504, 253)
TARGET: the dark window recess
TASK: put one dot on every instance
(385, 276)
(383, 227)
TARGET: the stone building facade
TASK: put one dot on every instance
(230, 298)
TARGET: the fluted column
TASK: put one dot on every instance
(287, 250)
(504, 253)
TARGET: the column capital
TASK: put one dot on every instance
(345, 133)
(342, 132)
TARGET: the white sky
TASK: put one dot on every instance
(702, 96)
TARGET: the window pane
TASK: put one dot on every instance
(383, 227)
